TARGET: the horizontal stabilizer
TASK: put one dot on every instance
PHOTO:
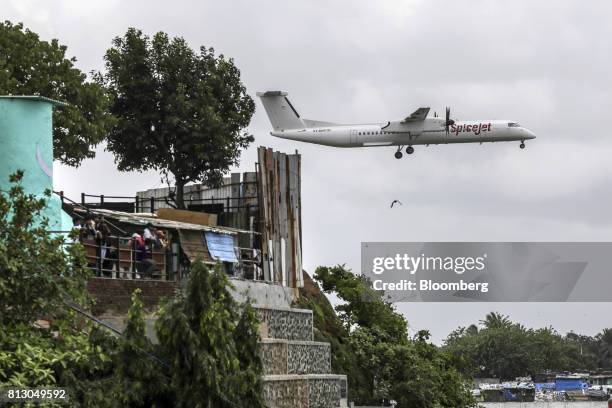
(272, 93)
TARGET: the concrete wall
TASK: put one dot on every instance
(263, 294)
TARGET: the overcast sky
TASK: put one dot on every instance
(544, 64)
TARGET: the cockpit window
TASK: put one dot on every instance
(513, 124)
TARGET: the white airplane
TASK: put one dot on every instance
(416, 129)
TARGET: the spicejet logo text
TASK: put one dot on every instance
(476, 129)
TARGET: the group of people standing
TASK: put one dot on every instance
(96, 228)
(142, 245)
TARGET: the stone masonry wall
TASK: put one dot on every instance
(309, 357)
(293, 324)
(305, 391)
(295, 357)
(286, 393)
(274, 356)
(323, 392)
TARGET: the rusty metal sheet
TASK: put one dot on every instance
(280, 213)
(194, 246)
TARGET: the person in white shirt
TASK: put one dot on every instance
(147, 233)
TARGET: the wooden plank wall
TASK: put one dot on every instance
(280, 212)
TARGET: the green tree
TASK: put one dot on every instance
(141, 376)
(31, 66)
(43, 342)
(249, 377)
(504, 349)
(199, 338)
(37, 269)
(496, 320)
(179, 112)
(208, 354)
(385, 363)
(604, 348)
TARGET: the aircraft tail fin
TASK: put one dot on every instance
(280, 111)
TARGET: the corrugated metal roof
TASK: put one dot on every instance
(35, 98)
(147, 218)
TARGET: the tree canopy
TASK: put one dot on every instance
(178, 111)
(211, 345)
(382, 362)
(500, 348)
(208, 351)
(31, 66)
(37, 269)
(38, 273)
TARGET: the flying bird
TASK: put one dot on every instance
(396, 202)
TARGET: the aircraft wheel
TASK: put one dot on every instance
(398, 155)
(522, 145)
(410, 150)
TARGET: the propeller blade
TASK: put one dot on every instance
(447, 123)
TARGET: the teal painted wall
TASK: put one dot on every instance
(26, 143)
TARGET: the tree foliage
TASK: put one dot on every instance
(31, 66)
(208, 351)
(140, 375)
(503, 349)
(37, 268)
(212, 365)
(179, 111)
(38, 272)
(384, 362)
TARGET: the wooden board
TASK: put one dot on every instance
(194, 245)
(191, 217)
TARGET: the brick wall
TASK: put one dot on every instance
(114, 294)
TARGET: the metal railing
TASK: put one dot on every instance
(65, 199)
(120, 258)
(139, 204)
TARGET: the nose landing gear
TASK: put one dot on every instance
(522, 145)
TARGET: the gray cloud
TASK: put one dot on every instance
(543, 64)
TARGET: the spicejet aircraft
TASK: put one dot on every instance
(416, 129)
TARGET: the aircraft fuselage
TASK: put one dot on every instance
(428, 131)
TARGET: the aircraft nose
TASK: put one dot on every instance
(530, 134)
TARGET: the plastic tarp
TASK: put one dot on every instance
(568, 384)
(545, 386)
(221, 247)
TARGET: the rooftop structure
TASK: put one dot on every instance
(259, 213)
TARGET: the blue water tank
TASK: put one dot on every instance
(26, 137)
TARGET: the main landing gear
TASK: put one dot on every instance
(398, 154)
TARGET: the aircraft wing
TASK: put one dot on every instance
(417, 116)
